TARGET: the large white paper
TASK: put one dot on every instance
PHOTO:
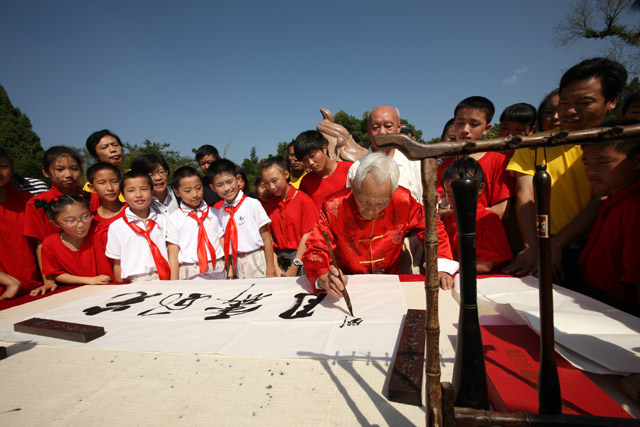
(592, 335)
(274, 317)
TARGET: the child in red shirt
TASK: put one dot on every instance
(492, 246)
(293, 214)
(73, 256)
(104, 180)
(326, 176)
(609, 262)
(18, 270)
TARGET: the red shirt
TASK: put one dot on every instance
(499, 184)
(102, 227)
(290, 218)
(491, 239)
(366, 246)
(319, 188)
(37, 224)
(610, 259)
(17, 257)
(88, 261)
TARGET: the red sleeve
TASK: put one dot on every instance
(316, 257)
(444, 248)
(500, 185)
(309, 214)
(417, 223)
(51, 265)
(35, 224)
(491, 240)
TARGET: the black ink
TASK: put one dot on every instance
(307, 309)
(353, 322)
(119, 305)
(174, 302)
(235, 307)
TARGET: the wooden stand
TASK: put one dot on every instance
(77, 332)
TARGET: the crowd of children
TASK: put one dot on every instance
(132, 225)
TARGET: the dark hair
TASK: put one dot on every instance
(97, 167)
(466, 167)
(53, 207)
(5, 155)
(95, 138)
(134, 174)
(406, 130)
(183, 172)
(630, 147)
(477, 103)
(521, 113)
(219, 167)
(243, 175)
(543, 106)
(307, 142)
(207, 150)
(446, 128)
(57, 151)
(633, 98)
(258, 180)
(612, 75)
(278, 161)
(147, 162)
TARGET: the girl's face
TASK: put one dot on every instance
(65, 174)
(159, 176)
(75, 220)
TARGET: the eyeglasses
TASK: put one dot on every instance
(160, 173)
(73, 222)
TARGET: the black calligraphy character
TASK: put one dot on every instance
(119, 305)
(174, 302)
(353, 322)
(307, 309)
(236, 306)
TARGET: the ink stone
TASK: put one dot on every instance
(405, 385)
(77, 332)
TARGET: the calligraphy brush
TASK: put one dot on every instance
(345, 294)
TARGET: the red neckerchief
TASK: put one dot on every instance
(203, 240)
(231, 233)
(162, 266)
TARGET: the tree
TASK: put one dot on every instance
(173, 158)
(251, 166)
(19, 140)
(602, 19)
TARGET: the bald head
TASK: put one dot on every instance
(383, 120)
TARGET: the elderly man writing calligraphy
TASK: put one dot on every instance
(366, 225)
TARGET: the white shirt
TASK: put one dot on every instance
(131, 248)
(410, 175)
(170, 204)
(250, 217)
(182, 230)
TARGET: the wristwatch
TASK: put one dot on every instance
(297, 262)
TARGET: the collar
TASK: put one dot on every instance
(235, 201)
(622, 194)
(186, 209)
(131, 217)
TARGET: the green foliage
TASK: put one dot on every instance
(283, 149)
(251, 166)
(173, 158)
(19, 140)
(494, 132)
(356, 127)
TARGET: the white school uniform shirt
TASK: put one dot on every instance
(410, 175)
(170, 204)
(182, 230)
(131, 248)
(249, 218)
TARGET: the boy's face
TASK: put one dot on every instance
(633, 112)
(226, 185)
(582, 104)
(106, 185)
(109, 150)
(470, 124)
(5, 171)
(549, 115)
(316, 160)
(190, 191)
(263, 192)
(447, 192)
(276, 181)
(294, 163)
(449, 135)
(511, 128)
(608, 169)
(206, 161)
(137, 193)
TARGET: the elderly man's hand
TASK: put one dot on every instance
(445, 280)
(333, 282)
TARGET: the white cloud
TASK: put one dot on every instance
(522, 70)
(510, 80)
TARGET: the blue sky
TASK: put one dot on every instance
(248, 73)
